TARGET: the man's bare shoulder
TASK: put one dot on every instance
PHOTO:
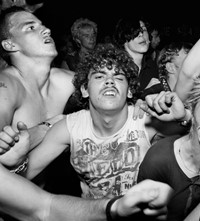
(9, 79)
(62, 79)
(12, 91)
(62, 72)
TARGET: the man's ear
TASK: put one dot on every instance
(129, 95)
(8, 45)
(170, 67)
(84, 92)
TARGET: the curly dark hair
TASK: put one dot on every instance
(105, 55)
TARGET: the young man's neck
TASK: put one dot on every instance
(108, 123)
(38, 73)
(137, 57)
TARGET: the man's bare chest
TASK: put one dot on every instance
(35, 109)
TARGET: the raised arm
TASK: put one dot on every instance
(166, 106)
(168, 116)
(189, 71)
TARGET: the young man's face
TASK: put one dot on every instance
(139, 44)
(107, 89)
(30, 37)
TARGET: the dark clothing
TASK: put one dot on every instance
(148, 71)
(160, 164)
(72, 60)
(71, 106)
(61, 178)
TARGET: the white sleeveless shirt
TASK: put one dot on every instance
(107, 166)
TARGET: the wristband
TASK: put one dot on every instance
(108, 207)
(46, 124)
(186, 123)
(21, 168)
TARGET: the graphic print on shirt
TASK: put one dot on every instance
(109, 168)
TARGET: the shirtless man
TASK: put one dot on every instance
(30, 90)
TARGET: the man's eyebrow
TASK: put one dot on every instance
(97, 72)
(119, 73)
(27, 23)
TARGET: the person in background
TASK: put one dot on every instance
(30, 5)
(84, 34)
(131, 34)
(155, 41)
(169, 62)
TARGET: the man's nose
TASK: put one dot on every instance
(110, 81)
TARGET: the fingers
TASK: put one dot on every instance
(160, 103)
(21, 126)
(157, 194)
(161, 213)
(148, 196)
(8, 138)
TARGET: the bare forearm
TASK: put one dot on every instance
(37, 134)
(183, 92)
(77, 209)
(22, 199)
(25, 201)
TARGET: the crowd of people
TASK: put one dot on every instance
(97, 129)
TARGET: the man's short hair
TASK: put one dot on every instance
(5, 27)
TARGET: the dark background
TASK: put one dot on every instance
(59, 15)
